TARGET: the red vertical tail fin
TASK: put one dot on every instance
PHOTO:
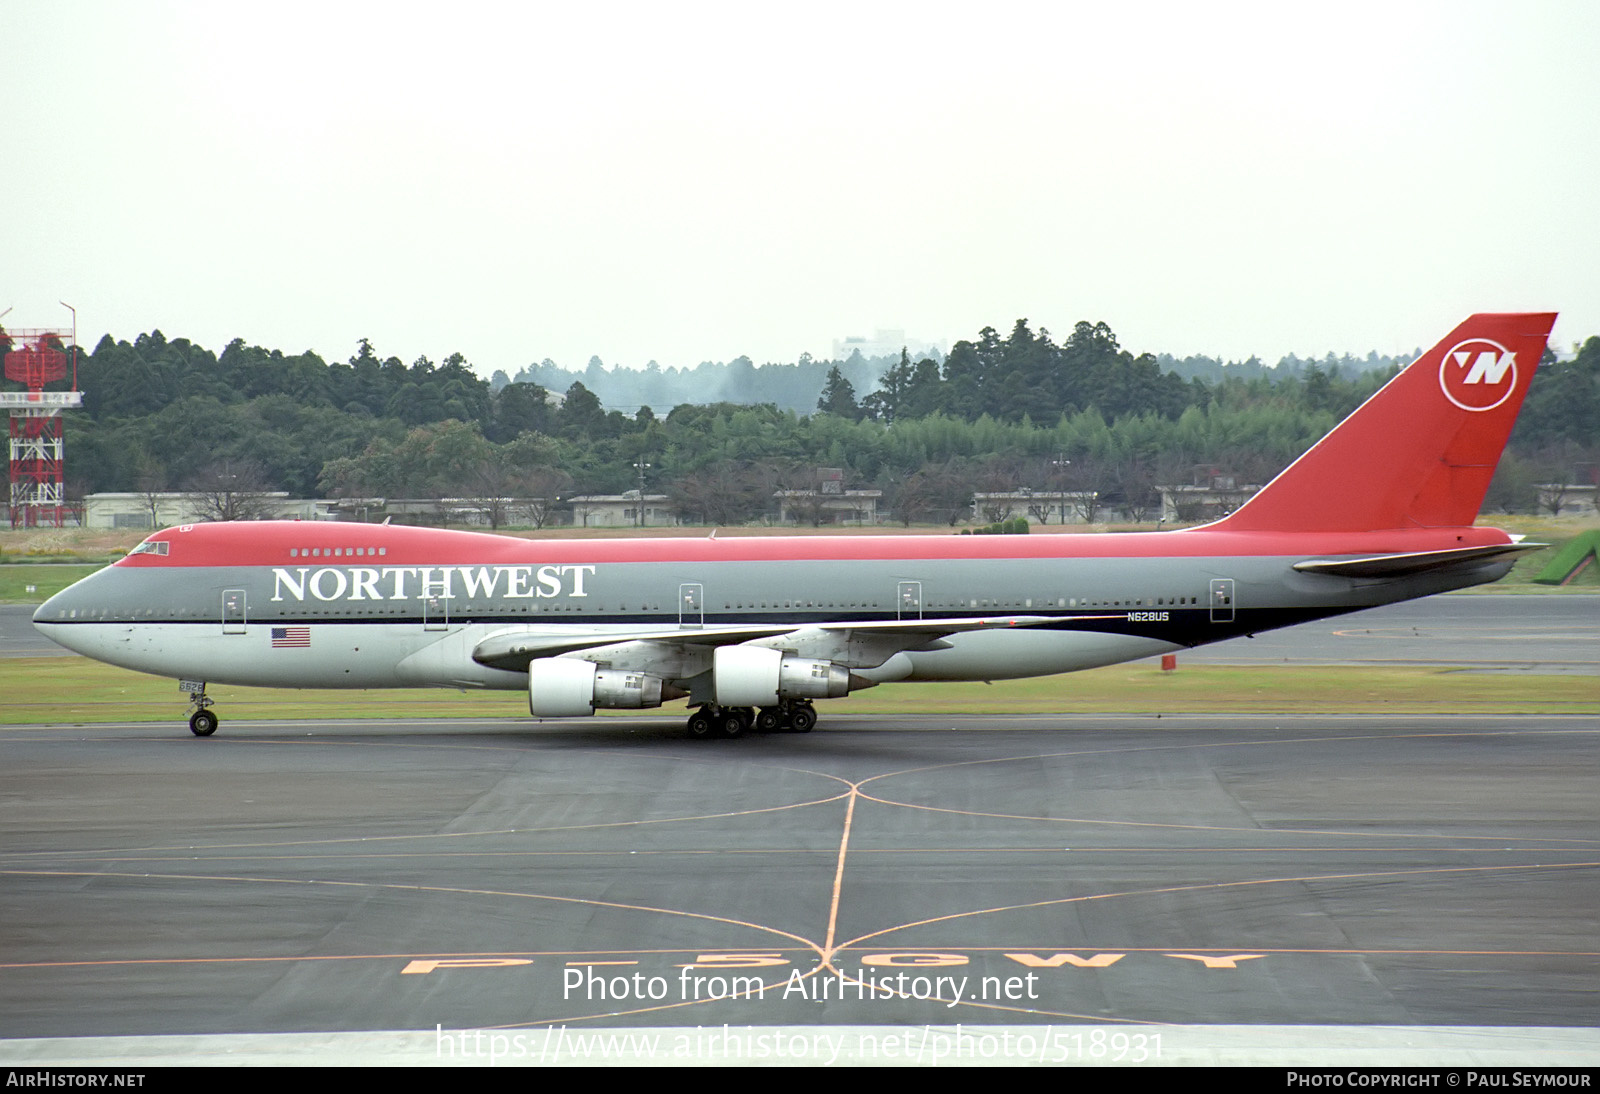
(1419, 453)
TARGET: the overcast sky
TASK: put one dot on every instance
(692, 181)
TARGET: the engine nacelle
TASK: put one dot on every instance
(755, 676)
(561, 687)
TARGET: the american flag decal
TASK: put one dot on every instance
(289, 638)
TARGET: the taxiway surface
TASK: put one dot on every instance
(1050, 871)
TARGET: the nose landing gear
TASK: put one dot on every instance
(203, 721)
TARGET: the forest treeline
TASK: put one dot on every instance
(996, 413)
(795, 386)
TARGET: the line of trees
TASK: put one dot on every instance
(996, 414)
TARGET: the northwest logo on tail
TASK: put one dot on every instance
(1478, 374)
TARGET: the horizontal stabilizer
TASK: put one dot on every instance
(1413, 562)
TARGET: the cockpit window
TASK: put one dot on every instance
(150, 547)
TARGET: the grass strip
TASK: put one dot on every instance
(33, 584)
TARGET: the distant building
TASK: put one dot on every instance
(1563, 499)
(482, 512)
(828, 502)
(1039, 506)
(146, 512)
(167, 508)
(886, 343)
(828, 507)
(626, 510)
(1210, 502)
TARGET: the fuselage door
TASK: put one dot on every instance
(435, 613)
(691, 605)
(908, 600)
(1222, 600)
(233, 613)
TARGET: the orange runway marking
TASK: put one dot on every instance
(1580, 844)
(1221, 885)
(838, 877)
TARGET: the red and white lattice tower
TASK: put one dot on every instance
(36, 358)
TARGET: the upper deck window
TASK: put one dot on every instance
(321, 552)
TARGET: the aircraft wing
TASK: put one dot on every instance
(513, 650)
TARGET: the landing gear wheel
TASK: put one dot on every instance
(202, 722)
(768, 719)
(701, 723)
(802, 718)
(734, 722)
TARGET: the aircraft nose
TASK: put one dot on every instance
(56, 608)
(48, 616)
(85, 599)
(74, 603)
(46, 611)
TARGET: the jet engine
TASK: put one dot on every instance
(561, 687)
(756, 676)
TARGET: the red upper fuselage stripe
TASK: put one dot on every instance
(268, 543)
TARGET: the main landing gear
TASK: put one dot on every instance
(714, 721)
(203, 720)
